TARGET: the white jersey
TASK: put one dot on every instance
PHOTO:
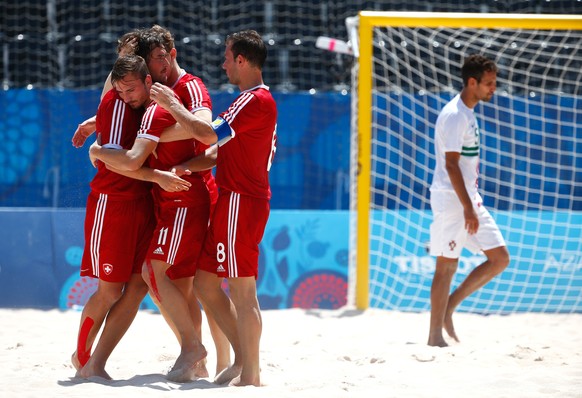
(456, 130)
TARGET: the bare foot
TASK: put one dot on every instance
(221, 366)
(228, 374)
(449, 327)
(75, 361)
(237, 382)
(185, 367)
(186, 375)
(182, 375)
(89, 370)
(200, 369)
(437, 342)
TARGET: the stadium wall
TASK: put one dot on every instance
(41, 168)
(303, 260)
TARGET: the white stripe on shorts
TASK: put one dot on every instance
(96, 232)
(233, 207)
(177, 231)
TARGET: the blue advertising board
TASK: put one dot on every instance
(303, 260)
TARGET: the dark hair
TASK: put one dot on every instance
(475, 66)
(250, 45)
(127, 65)
(165, 35)
(152, 38)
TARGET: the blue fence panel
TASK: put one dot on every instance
(39, 167)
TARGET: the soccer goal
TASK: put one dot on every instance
(531, 155)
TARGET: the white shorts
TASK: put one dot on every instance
(448, 235)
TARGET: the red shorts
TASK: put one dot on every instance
(117, 235)
(178, 239)
(231, 249)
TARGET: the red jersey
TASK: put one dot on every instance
(168, 154)
(194, 95)
(192, 92)
(117, 123)
(244, 161)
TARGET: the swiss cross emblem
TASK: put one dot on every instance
(108, 268)
(452, 245)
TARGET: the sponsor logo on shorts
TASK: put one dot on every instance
(220, 268)
(452, 245)
(159, 251)
(108, 269)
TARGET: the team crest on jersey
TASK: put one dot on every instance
(108, 269)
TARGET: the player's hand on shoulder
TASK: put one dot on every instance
(163, 95)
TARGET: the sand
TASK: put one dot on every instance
(311, 353)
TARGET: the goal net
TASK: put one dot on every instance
(530, 161)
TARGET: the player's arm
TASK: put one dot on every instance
(456, 177)
(178, 132)
(123, 159)
(84, 130)
(175, 133)
(198, 128)
(204, 161)
(107, 85)
(167, 180)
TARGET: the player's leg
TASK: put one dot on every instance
(186, 287)
(221, 343)
(439, 297)
(116, 325)
(164, 314)
(489, 239)
(219, 307)
(249, 219)
(171, 256)
(126, 229)
(447, 239)
(92, 317)
(243, 294)
(148, 277)
(497, 261)
(177, 309)
(200, 370)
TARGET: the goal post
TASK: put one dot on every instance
(531, 161)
